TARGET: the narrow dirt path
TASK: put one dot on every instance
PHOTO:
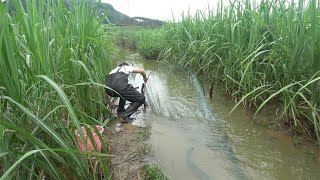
(127, 150)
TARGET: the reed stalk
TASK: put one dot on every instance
(53, 59)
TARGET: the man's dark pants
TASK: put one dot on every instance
(118, 82)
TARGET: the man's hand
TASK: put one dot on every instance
(141, 71)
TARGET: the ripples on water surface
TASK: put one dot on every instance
(195, 138)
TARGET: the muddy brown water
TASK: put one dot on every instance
(194, 137)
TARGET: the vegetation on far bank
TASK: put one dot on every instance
(149, 42)
(260, 53)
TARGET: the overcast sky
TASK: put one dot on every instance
(161, 9)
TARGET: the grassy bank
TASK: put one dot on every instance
(149, 42)
(261, 54)
(53, 61)
(152, 172)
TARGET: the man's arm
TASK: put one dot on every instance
(141, 71)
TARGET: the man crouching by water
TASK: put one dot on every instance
(117, 80)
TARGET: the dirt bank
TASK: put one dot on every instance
(128, 150)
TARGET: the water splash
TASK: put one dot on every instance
(203, 103)
(220, 141)
(179, 94)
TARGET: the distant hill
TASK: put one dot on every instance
(113, 16)
(118, 18)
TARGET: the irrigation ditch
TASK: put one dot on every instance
(195, 137)
(52, 67)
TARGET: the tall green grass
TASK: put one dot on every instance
(150, 43)
(53, 61)
(261, 53)
(147, 41)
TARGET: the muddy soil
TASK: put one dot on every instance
(128, 150)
